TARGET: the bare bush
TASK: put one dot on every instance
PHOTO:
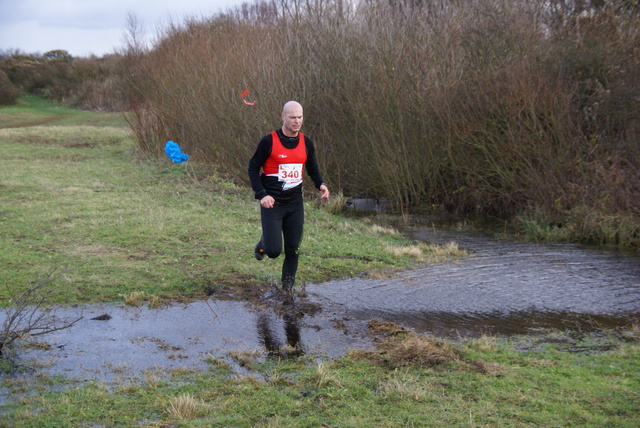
(30, 313)
(490, 106)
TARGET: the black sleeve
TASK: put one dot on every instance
(262, 153)
(312, 164)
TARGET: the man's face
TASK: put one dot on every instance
(292, 120)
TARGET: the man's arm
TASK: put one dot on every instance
(262, 153)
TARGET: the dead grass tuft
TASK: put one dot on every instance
(384, 230)
(413, 251)
(386, 329)
(156, 302)
(485, 343)
(404, 386)
(417, 350)
(631, 332)
(246, 358)
(450, 249)
(185, 407)
(423, 251)
(324, 377)
(335, 205)
(154, 376)
(134, 298)
(399, 347)
(489, 369)
(217, 362)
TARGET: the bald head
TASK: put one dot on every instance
(291, 105)
(291, 118)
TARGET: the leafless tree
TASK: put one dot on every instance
(30, 313)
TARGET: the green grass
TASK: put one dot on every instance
(588, 226)
(80, 196)
(33, 111)
(476, 386)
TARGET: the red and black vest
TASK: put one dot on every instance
(281, 155)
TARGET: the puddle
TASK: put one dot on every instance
(502, 288)
(135, 342)
(185, 336)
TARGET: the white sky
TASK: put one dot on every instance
(85, 27)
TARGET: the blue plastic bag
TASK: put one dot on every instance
(175, 153)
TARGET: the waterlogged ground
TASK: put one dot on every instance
(502, 288)
(119, 343)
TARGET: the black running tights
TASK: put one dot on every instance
(283, 221)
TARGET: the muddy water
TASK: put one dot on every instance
(501, 288)
(134, 343)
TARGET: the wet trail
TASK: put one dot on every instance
(502, 288)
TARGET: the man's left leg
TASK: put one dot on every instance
(292, 228)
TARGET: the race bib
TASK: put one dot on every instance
(290, 173)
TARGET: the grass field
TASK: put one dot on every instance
(76, 194)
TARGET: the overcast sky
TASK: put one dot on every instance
(85, 27)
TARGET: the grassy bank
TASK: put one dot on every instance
(75, 193)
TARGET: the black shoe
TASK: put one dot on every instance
(258, 252)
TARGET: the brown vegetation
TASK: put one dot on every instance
(9, 93)
(491, 106)
(398, 347)
(88, 83)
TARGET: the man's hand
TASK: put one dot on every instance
(325, 192)
(267, 202)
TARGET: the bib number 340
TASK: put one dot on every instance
(290, 172)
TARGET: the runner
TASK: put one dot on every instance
(283, 156)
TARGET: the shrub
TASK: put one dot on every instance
(493, 106)
(9, 94)
(89, 83)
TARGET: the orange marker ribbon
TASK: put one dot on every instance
(249, 103)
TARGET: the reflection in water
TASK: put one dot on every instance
(453, 325)
(292, 330)
(270, 338)
(135, 340)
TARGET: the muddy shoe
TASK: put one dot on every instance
(287, 286)
(258, 252)
(288, 298)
